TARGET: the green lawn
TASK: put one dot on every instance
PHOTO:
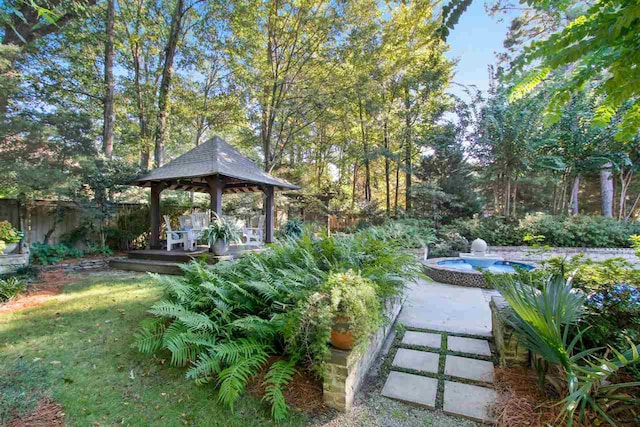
(78, 349)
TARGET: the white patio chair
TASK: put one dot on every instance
(176, 237)
(185, 222)
(199, 222)
(254, 235)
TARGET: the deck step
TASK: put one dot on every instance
(146, 265)
(164, 256)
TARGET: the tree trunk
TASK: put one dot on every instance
(355, 181)
(507, 197)
(109, 114)
(397, 190)
(165, 83)
(407, 148)
(365, 149)
(606, 190)
(514, 206)
(574, 195)
(387, 168)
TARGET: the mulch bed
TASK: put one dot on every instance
(49, 284)
(48, 413)
(522, 403)
(303, 393)
(520, 400)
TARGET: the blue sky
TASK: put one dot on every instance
(474, 42)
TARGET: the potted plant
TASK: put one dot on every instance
(219, 233)
(355, 308)
(10, 236)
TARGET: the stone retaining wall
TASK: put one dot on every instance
(509, 352)
(526, 253)
(346, 370)
(80, 265)
(12, 262)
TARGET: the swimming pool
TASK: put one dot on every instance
(491, 265)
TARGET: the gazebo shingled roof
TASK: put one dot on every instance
(214, 157)
(214, 167)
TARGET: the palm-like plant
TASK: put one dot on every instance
(543, 319)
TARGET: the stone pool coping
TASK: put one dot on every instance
(452, 276)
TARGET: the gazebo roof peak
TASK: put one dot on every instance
(214, 157)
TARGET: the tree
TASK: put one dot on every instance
(279, 51)
(165, 81)
(25, 22)
(109, 113)
(602, 38)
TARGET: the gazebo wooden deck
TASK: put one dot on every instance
(213, 167)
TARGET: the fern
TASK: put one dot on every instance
(149, 337)
(233, 379)
(184, 344)
(223, 322)
(255, 326)
(232, 351)
(204, 368)
(278, 376)
(193, 320)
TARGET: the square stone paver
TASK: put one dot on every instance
(469, 345)
(469, 401)
(417, 360)
(411, 388)
(422, 338)
(472, 369)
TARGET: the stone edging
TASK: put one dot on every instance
(11, 262)
(79, 266)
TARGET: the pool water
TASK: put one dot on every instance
(492, 265)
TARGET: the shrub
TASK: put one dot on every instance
(409, 233)
(558, 231)
(449, 244)
(543, 317)
(292, 229)
(612, 288)
(225, 321)
(497, 231)
(354, 298)
(9, 234)
(51, 254)
(10, 287)
(98, 250)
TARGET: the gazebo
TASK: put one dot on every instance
(216, 168)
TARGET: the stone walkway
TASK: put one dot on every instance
(443, 359)
(441, 307)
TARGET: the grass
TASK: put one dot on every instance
(77, 348)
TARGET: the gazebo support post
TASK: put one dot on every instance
(268, 214)
(156, 189)
(216, 185)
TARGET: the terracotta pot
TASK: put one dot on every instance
(341, 336)
(220, 247)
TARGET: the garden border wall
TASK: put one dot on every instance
(527, 253)
(346, 370)
(80, 265)
(12, 262)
